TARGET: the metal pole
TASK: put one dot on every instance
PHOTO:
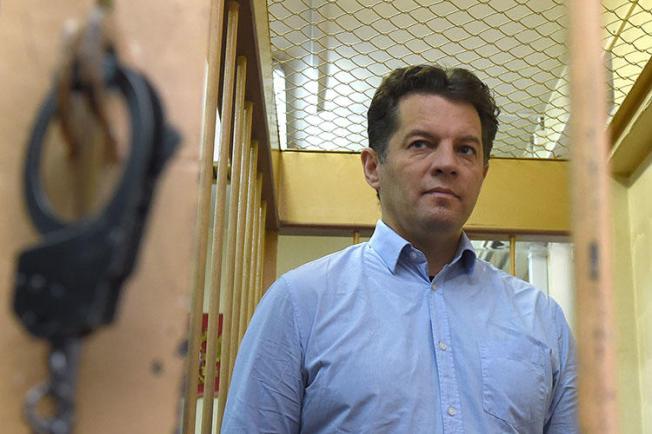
(229, 357)
(591, 229)
(512, 255)
(220, 200)
(261, 253)
(216, 24)
(255, 249)
(235, 209)
(248, 242)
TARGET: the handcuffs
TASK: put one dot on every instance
(69, 284)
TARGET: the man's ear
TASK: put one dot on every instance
(370, 165)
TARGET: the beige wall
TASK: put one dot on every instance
(625, 309)
(295, 250)
(640, 226)
(329, 190)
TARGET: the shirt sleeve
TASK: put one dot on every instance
(267, 387)
(563, 408)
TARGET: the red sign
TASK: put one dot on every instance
(202, 354)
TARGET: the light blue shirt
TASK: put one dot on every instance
(361, 341)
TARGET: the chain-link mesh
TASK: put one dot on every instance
(331, 55)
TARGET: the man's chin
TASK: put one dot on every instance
(442, 224)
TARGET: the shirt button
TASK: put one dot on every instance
(443, 346)
(413, 255)
(452, 411)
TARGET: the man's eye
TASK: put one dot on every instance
(467, 150)
(418, 144)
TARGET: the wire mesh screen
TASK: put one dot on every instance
(331, 55)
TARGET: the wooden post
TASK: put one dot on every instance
(213, 60)
(591, 230)
(220, 200)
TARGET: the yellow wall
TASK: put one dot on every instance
(295, 250)
(625, 310)
(640, 226)
(328, 190)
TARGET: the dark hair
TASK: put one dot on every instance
(454, 84)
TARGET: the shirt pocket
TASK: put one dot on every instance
(516, 381)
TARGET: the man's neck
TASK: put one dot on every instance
(438, 251)
(439, 248)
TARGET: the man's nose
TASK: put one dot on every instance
(444, 160)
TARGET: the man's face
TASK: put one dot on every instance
(433, 169)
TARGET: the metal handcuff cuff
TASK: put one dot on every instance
(69, 284)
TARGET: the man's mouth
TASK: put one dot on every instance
(442, 191)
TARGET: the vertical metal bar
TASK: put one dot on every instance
(227, 112)
(261, 253)
(356, 236)
(255, 249)
(239, 262)
(591, 230)
(512, 255)
(215, 34)
(248, 243)
(237, 165)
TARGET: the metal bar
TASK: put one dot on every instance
(248, 243)
(220, 199)
(237, 166)
(356, 237)
(255, 249)
(215, 33)
(239, 262)
(261, 253)
(512, 255)
(590, 221)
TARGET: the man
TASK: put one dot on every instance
(410, 332)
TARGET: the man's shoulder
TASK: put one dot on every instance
(523, 294)
(317, 282)
(513, 284)
(320, 273)
(520, 291)
(333, 262)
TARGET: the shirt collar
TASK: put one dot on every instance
(389, 245)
